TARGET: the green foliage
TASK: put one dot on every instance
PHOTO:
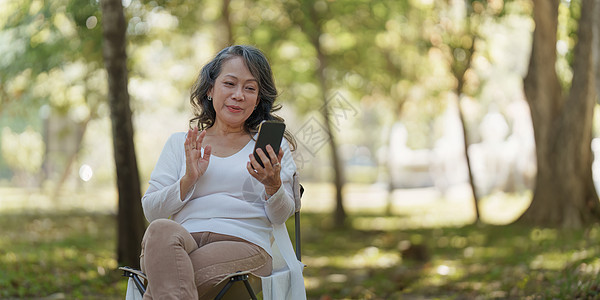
(380, 54)
(39, 36)
(86, 18)
(51, 60)
(23, 151)
(568, 18)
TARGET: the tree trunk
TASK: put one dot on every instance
(458, 70)
(225, 39)
(130, 219)
(391, 184)
(596, 47)
(564, 192)
(310, 21)
(339, 215)
(80, 132)
(466, 143)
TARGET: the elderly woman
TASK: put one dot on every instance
(211, 205)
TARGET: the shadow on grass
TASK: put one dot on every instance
(71, 255)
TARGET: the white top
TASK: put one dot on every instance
(225, 200)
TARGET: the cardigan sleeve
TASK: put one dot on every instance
(280, 206)
(162, 199)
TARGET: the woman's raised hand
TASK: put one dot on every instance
(195, 163)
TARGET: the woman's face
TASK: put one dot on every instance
(235, 93)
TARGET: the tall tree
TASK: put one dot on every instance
(460, 47)
(130, 219)
(227, 26)
(564, 192)
(311, 22)
(596, 48)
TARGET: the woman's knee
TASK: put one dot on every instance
(162, 225)
(167, 232)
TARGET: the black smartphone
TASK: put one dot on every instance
(269, 133)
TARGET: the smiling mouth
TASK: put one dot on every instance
(233, 108)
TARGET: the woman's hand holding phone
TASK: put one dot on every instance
(265, 161)
(269, 175)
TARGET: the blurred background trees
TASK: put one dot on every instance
(376, 92)
(388, 100)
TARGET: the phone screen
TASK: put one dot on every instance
(269, 133)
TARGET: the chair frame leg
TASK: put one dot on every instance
(139, 284)
(224, 290)
(232, 280)
(136, 280)
(249, 288)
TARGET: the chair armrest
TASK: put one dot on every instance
(131, 271)
(297, 236)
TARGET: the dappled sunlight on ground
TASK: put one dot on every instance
(57, 254)
(368, 257)
(422, 246)
(501, 208)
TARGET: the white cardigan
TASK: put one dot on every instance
(227, 200)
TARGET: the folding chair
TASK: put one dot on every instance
(236, 285)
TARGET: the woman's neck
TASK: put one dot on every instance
(226, 131)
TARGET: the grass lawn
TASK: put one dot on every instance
(62, 255)
(466, 262)
(69, 254)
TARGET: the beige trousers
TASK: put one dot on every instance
(183, 265)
